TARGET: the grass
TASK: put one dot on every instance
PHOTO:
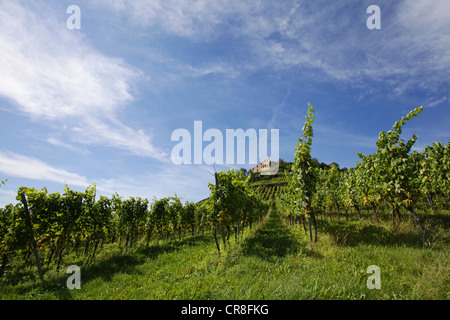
(272, 262)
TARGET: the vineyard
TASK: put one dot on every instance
(407, 187)
(46, 224)
(393, 176)
(270, 192)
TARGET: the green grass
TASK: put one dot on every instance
(273, 261)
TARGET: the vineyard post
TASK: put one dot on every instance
(30, 227)
(215, 227)
(310, 229)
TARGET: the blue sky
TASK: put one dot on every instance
(99, 104)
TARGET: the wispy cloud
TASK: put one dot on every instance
(53, 74)
(326, 42)
(59, 143)
(168, 179)
(189, 182)
(117, 135)
(273, 122)
(434, 103)
(20, 166)
(194, 19)
(173, 70)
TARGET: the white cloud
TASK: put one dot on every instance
(182, 70)
(115, 134)
(195, 19)
(434, 103)
(52, 73)
(189, 182)
(328, 42)
(57, 142)
(20, 166)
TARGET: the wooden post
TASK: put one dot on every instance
(215, 239)
(33, 240)
(215, 228)
(310, 230)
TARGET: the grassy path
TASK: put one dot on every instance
(276, 262)
(272, 242)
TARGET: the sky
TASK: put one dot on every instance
(98, 104)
